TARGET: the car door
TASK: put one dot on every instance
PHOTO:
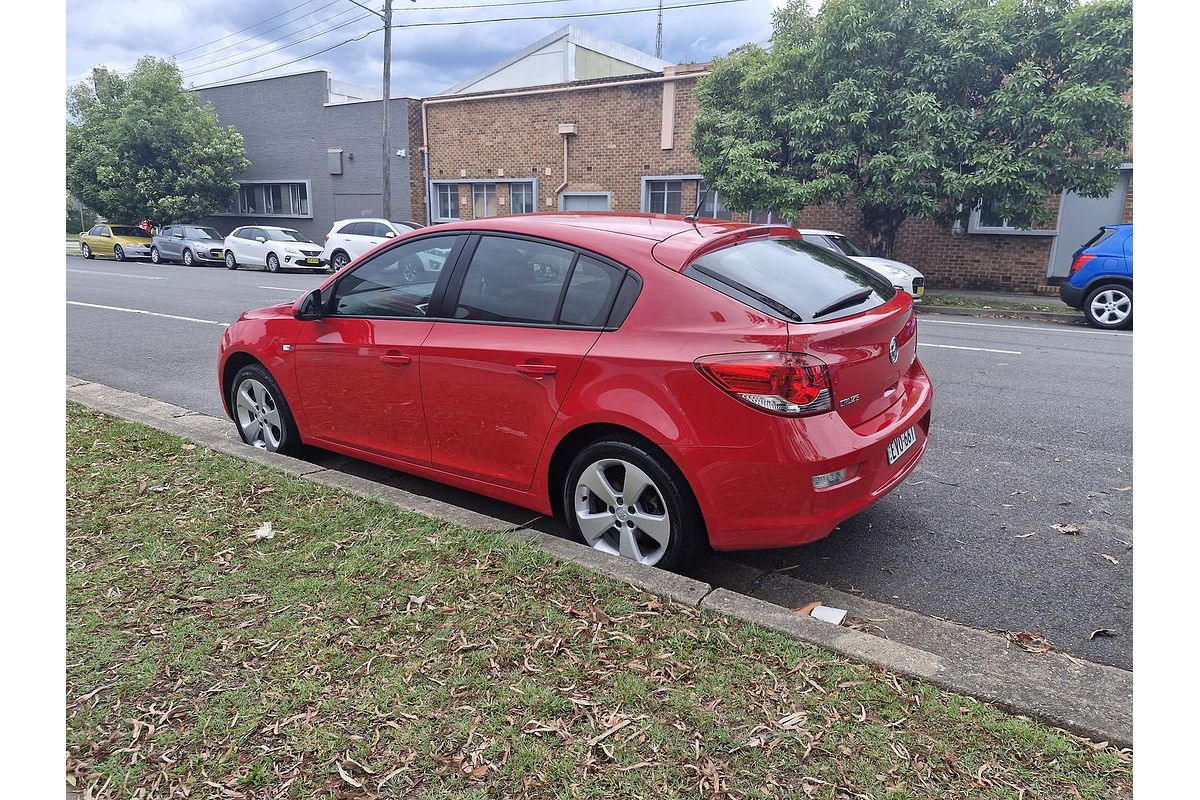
(358, 367)
(104, 242)
(496, 368)
(255, 252)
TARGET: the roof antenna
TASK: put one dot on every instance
(692, 216)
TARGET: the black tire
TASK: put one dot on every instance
(118, 253)
(289, 437)
(687, 531)
(87, 251)
(272, 262)
(230, 260)
(339, 261)
(1121, 297)
(155, 257)
(187, 257)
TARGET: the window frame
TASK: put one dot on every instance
(435, 185)
(288, 199)
(615, 312)
(533, 197)
(647, 180)
(437, 205)
(436, 298)
(715, 196)
(974, 225)
(483, 188)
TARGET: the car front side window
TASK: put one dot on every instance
(396, 283)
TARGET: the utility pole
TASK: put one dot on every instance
(658, 41)
(387, 98)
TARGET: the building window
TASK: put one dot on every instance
(772, 217)
(711, 208)
(446, 201)
(521, 198)
(483, 196)
(281, 199)
(987, 215)
(663, 197)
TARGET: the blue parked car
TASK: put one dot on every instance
(1101, 280)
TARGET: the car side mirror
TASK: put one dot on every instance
(260, 239)
(309, 306)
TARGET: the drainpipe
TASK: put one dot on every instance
(425, 158)
(567, 130)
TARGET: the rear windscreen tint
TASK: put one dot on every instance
(792, 280)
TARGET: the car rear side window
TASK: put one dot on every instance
(347, 230)
(1102, 235)
(590, 293)
(513, 280)
(791, 279)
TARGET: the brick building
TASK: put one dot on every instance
(621, 144)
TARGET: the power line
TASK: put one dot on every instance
(248, 27)
(448, 23)
(261, 34)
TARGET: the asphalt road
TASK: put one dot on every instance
(1032, 428)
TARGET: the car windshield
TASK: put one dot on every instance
(848, 247)
(791, 279)
(401, 227)
(285, 235)
(201, 233)
(129, 230)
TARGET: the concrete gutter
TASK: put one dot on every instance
(1003, 313)
(1090, 700)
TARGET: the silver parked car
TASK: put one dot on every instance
(189, 244)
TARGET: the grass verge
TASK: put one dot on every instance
(962, 301)
(363, 651)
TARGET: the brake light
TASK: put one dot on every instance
(792, 384)
(1079, 261)
(327, 237)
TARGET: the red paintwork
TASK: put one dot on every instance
(461, 412)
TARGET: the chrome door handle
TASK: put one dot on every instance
(396, 359)
(536, 370)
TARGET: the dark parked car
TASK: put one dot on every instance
(1101, 279)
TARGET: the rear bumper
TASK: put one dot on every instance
(1071, 295)
(762, 496)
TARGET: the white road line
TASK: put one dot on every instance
(118, 274)
(148, 313)
(979, 349)
(925, 320)
(284, 288)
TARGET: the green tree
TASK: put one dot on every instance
(142, 147)
(921, 109)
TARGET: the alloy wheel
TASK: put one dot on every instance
(621, 511)
(1111, 307)
(230, 261)
(118, 253)
(340, 260)
(87, 251)
(258, 415)
(154, 256)
(187, 258)
(272, 263)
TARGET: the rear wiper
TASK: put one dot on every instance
(852, 299)
(746, 290)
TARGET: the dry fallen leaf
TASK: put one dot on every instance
(1064, 528)
(346, 777)
(1108, 558)
(1124, 489)
(807, 608)
(1030, 642)
(1102, 632)
(1026, 535)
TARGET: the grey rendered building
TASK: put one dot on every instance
(315, 147)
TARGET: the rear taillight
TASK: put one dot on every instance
(783, 383)
(327, 237)
(1079, 261)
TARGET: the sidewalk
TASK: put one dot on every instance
(1005, 305)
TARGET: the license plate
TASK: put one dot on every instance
(900, 445)
(920, 291)
(312, 260)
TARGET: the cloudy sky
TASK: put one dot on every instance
(221, 40)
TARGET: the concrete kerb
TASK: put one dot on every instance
(1001, 313)
(1088, 699)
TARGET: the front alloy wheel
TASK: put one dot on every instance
(187, 257)
(230, 261)
(154, 256)
(118, 253)
(272, 263)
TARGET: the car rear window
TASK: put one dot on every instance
(1101, 235)
(791, 280)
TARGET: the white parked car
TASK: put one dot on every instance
(350, 238)
(273, 248)
(901, 275)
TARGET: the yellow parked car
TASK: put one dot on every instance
(118, 241)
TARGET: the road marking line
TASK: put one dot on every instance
(925, 320)
(283, 288)
(979, 349)
(117, 274)
(148, 313)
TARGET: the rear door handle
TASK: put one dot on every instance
(536, 370)
(395, 359)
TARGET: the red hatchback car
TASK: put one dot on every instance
(659, 382)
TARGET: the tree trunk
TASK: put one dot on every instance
(882, 225)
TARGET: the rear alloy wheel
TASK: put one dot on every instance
(187, 257)
(624, 499)
(154, 256)
(339, 260)
(118, 253)
(272, 262)
(262, 415)
(230, 261)
(87, 251)
(1110, 306)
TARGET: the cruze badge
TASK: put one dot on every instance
(893, 350)
(845, 401)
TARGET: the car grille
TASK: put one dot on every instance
(215, 253)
